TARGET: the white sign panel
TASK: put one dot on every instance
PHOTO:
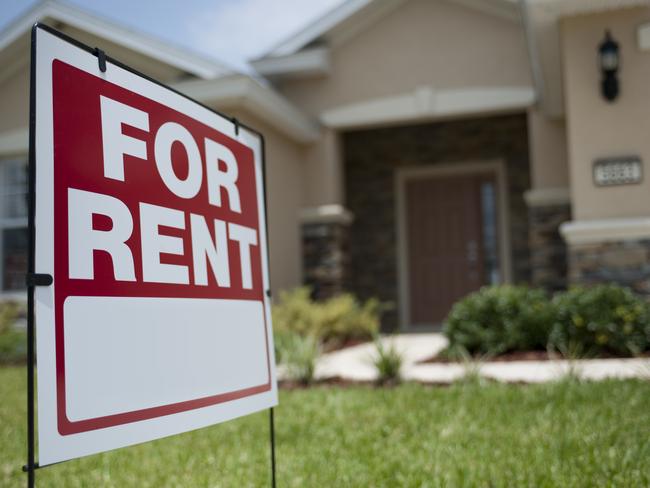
(150, 216)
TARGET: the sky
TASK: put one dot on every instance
(230, 31)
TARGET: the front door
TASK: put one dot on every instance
(451, 242)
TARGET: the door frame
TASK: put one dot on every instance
(402, 176)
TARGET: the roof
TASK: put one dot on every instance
(559, 8)
(58, 11)
(353, 15)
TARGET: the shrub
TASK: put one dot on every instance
(336, 320)
(602, 319)
(298, 354)
(388, 362)
(13, 341)
(499, 319)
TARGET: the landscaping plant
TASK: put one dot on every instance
(472, 365)
(388, 362)
(498, 319)
(333, 322)
(297, 354)
(601, 319)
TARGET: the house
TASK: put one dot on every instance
(417, 149)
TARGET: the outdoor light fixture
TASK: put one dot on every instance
(609, 59)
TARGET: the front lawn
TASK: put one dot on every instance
(561, 434)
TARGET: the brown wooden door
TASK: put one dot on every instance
(445, 245)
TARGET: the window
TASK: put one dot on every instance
(13, 224)
(490, 244)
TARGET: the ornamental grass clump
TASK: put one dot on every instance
(499, 319)
(388, 362)
(298, 354)
(604, 319)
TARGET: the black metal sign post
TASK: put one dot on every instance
(31, 467)
(272, 431)
(34, 279)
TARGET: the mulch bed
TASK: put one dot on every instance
(525, 356)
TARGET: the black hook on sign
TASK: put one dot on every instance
(38, 279)
(236, 122)
(101, 59)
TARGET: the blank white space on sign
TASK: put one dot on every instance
(127, 354)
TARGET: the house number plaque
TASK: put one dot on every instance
(618, 171)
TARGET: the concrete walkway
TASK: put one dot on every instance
(355, 363)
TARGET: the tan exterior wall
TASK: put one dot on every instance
(14, 101)
(323, 171)
(285, 177)
(597, 128)
(548, 151)
(422, 42)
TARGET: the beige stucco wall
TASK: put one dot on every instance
(597, 128)
(285, 194)
(324, 171)
(422, 42)
(14, 101)
(548, 151)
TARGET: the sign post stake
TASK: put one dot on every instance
(30, 468)
(272, 429)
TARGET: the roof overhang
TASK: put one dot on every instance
(55, 12)
(427, 104)
(308, 63)
(233, 92)
(244, 92)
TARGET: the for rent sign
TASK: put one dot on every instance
(150, 216)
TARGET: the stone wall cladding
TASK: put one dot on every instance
(371, 158)
(325, 257)
(548, 251)
(623, 262)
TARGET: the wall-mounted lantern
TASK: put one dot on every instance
(609, 60)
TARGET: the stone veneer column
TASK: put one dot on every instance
(325, 249)
(547, 210)
(610, 251)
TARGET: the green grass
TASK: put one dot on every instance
(566, 434)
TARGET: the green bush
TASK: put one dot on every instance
(602, 319)
(336, 320)
(13, 341)
(499, 319)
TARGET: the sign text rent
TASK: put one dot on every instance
(159, 226)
